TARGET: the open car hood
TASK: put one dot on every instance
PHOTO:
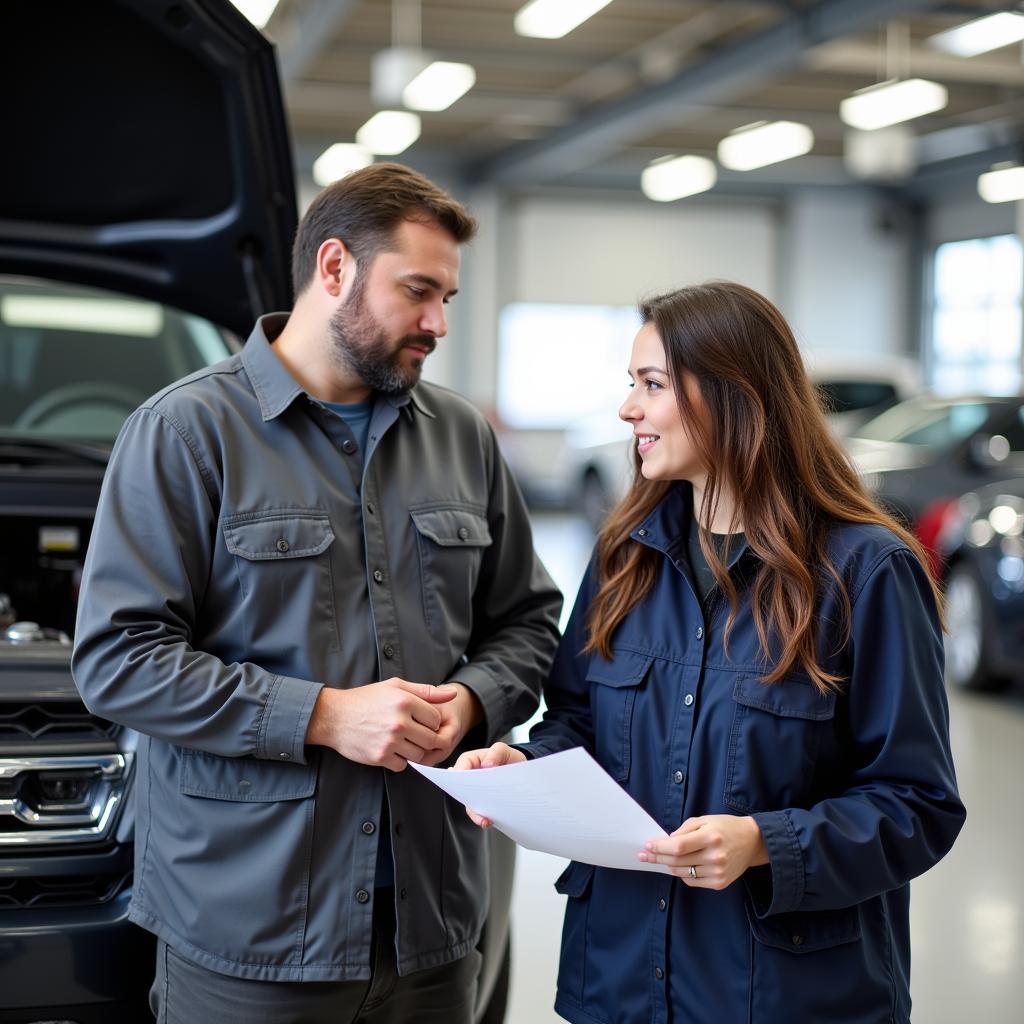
(146, 151)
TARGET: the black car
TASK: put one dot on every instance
(921, 455)
(147, 207)
(981, 541)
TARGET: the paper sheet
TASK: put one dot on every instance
(565, 804)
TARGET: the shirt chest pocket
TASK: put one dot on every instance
(450, 543)
(282, 557)
(613, 690)
(776, 733)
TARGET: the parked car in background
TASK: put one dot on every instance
(920, 456)
(596, 464)
(981, 542)
(142, 257)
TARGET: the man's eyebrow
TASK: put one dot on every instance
(430, 282)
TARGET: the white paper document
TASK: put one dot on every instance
(565, 804)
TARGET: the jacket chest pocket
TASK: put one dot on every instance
(773, 744)
(613, 689)
(450, 542)
(282, 557)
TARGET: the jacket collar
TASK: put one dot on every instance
(276, 388)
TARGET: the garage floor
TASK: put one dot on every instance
(968, 912)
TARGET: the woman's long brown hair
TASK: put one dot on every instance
(764, 439)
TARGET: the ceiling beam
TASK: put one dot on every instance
(758, 56)
(301, 39)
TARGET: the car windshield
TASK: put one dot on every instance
(935, 422)
(74, 362)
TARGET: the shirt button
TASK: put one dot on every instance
(369, 828)
(362, 896)
(348, 447)
(282, 545)
(370, 507)
(662, 904)
(378, 576)
(402, 893)
(677, 777)
(389, 651)
(797, 940)
(700, 632)
(463, 533)
(688, 699)
(641, 533)
(285, 755)
(659, 973)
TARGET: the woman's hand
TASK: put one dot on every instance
(489, 757)
(719, 847)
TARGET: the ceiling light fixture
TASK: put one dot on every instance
(1003, 184)
(981, 34)
(257, 11)
(674, 177)
(439, 85)
(389, 132)
(552, 19)
(886, 103)
(338, 160)
(763, 143)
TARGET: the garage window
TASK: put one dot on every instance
(976, 316)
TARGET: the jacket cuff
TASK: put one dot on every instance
(282, 729)
(786, 864)
(492, 701)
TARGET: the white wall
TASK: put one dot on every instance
(846, 272)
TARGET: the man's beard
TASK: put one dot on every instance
(360, 344)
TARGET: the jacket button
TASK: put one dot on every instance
(662, 904)
(378, 576)
(659, 973)
(677, 777)
(700, 632)
(797, 940)
(688, 699)
(362, 896)
(348, 447)
(282, 545)
(463, 533)
(369, 828)
(389, 651)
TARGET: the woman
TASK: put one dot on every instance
(755, 655)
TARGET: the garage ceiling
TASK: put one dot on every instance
(646, 78)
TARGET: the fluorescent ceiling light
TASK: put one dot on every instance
(981, 35)
(758, 145)
(1003, 184)
(389, 132)
(336, 161)
(552, 19)
(673, 177)
(257, 11)
(439, 85)
(97, 316)
(879, 106)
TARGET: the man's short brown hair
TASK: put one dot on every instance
(365, 208)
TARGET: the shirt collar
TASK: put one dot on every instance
(275, 387)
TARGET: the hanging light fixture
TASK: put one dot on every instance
(1003, 184)
(981, 34)
(763, 143)
(674, 177)
(338, 160)
(552, 19)
(899, 98)
(389, 132)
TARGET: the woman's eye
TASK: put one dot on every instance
(652, 385)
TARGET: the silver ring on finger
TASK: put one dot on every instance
(693, 871)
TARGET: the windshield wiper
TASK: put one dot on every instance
(15, 448)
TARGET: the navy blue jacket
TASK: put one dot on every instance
(855, 794)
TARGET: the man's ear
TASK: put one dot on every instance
(335, 265)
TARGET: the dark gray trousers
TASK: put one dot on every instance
(185, 993)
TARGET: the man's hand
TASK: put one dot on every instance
(458, 716)
(389, 723)
(719, 848)
(489, 757)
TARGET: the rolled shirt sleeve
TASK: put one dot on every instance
(144, 582)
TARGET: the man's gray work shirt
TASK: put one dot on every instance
(241, 560)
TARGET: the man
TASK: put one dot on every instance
(291, 548)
